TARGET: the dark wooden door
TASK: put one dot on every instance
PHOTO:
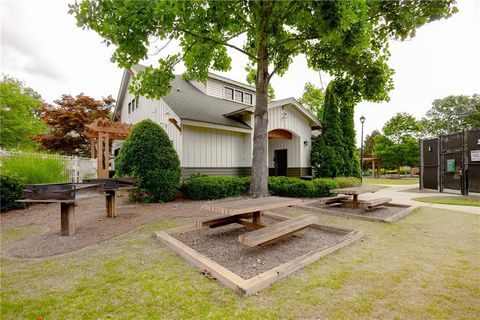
(280, 158)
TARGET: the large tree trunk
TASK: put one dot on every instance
(258, 183)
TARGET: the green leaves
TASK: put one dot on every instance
(18, 114)
(442, 117)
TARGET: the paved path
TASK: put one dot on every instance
(400, 195)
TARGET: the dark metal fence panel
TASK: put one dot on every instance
(473, 160)
(429, 151)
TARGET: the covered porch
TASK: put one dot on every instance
(284, 154)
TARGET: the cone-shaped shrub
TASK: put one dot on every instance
(148, 156)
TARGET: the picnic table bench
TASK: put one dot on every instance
(276, 231)
(239, 211)
(375, 203)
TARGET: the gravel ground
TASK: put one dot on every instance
(380, 212)
(222, 246)
(92, 225)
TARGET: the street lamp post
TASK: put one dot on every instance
(362, 120)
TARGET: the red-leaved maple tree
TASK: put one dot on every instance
(66, 122)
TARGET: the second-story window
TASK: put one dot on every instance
(228, 93)
(133, 105)
(247, 98)
(238, 96)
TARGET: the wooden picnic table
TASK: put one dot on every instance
(355, 192)
(238, 211)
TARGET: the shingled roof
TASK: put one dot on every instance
(189, 103)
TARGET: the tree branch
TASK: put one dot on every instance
(223, 43)
(281, 63)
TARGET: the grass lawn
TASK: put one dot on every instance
(473, 201)
(426, 266)
(382, 181)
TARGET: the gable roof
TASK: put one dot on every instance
(191, 104)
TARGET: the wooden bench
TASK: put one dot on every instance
(330, 200)
(375, 203)
(276, 231)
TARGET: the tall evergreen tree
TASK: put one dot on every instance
(351, 167)
(327, 151)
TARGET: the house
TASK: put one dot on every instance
(211, 126)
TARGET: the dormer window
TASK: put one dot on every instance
(247, 98)
(237, 95)
(228, 93)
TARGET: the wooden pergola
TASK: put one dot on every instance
(101, 132)
(375, 165)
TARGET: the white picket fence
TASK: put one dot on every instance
(76, 168)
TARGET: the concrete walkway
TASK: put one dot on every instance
(401, 196)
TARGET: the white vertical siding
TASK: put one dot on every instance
(157, 111)
(299, 126)
(207, 148)
(215, 88)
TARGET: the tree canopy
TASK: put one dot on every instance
(370, 143)
(442, 117)
(400, 125)
(66, 123)
(399, 145)
(313, 99)
(18, 114)
(347, 39)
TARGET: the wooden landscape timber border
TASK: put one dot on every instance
(394, 218)
(255, 284)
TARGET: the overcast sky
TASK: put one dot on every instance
(42, 46)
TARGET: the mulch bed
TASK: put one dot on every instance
(92, 225)
(383, 213)
(222, 246)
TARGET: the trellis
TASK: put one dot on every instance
(100, 133)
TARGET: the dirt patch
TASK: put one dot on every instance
(222, 246)
(92, 225)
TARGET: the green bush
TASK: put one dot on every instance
(200, 187)
(11, 190)
(148, 156)
(323, 186)
(34, 169)
(347, 182)
(298, 188)
(290, 187)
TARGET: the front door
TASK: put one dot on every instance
(280, 160)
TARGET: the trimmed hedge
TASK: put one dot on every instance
(148, 156)
(347, 182)
(201, 187)
(298, 188)
(11, 190)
